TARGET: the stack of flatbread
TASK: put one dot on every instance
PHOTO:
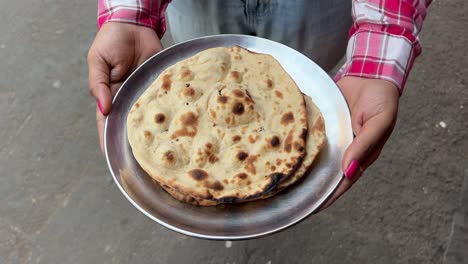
(225, 126)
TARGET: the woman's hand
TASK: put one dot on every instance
(374, 106)
(116, 51)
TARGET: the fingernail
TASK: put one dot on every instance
(99, 106)
(352, 169)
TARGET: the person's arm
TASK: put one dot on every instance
(382, 47)
(129, 33)
(383, 41)
(148, 13)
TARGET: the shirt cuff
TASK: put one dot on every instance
(380, 54)
(147, 14)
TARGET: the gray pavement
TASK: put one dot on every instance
(59, 205)
(457, 251)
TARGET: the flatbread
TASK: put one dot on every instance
(315, 141)
(226, 125)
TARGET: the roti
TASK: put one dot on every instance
(316, 139)
(226, 125)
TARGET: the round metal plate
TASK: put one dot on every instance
(239, 221)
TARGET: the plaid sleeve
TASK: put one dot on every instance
(383, 41)
(146, 13)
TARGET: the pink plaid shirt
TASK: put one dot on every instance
(383, 41)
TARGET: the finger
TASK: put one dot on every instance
(99, 82)
(100, 119)
(371, 137)
(119, 72)
(115, 88)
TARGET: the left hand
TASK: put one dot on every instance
(116, 51)
(374, 106)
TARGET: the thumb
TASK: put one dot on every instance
(99, 82)
(367, 145)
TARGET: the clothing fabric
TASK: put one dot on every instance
(382, 42)
(317, 28)
(148, 13)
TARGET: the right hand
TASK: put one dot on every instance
(116, 51)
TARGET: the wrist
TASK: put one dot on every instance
(354, 87)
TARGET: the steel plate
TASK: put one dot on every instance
(241, 221)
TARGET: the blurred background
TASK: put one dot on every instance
(59, 204)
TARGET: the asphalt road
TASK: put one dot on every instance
(59, 205)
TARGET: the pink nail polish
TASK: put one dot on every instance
(352, 169)
(99, 106)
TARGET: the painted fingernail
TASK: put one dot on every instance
(352, 169)
(99, 106)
